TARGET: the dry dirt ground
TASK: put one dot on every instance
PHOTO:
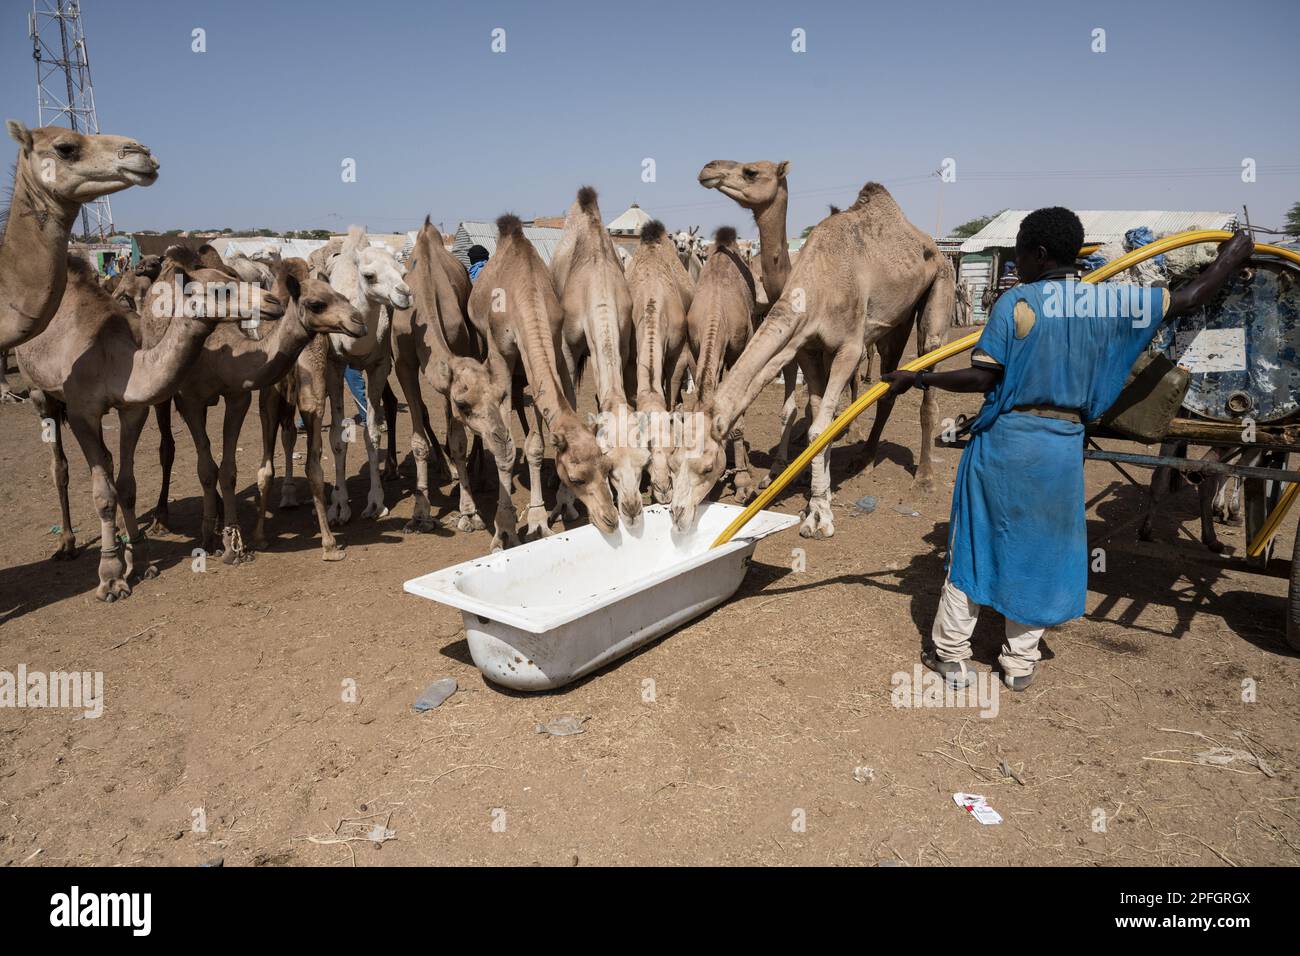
(223, 699)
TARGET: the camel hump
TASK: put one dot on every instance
(876, 196)
(652, 231)
(509, 225)
(725, 237)
(587, 199)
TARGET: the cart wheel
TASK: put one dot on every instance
(1293, 597)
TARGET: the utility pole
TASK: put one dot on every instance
(64, 94)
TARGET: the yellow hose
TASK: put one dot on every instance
(1273, 522)
(966, 342)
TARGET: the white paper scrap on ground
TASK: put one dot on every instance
(977, 806)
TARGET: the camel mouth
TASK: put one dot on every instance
(353, 328)
(710, 182)
(139, 177)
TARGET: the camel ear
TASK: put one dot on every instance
(782, 168)
(292, 285)
(559, 442)
(20, 133)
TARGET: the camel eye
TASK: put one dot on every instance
(465, 407)
(577, 482)
(66, 150)
(751, 173)
(316, 307)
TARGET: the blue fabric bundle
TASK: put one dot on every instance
(1141, 236)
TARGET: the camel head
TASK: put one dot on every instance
(626, 456)
(379, 275)
(753, 185)
(698, 461)
(186, 287)
(320, 307)
(657, 433)
(77, 167)
(583, 469)
(476, 399)
(686, 241)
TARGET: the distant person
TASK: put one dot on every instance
(357, 386)
(478, 257)
(1009, 277)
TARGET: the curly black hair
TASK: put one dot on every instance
(1056, 229)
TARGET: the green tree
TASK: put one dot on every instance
(1293, 221)
(972, 226)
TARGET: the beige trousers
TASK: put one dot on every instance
(955, 623)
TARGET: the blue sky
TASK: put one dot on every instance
(253, 132)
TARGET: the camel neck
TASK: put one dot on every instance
(774, 251)
(157, 372)
(33, 257)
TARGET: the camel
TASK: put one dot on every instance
(761, 188)
(690, 250)
(371, 279)
(598, 327)
(132, 286)
(57, 171)
(251, 270)
(7, 395)
(662, 293)
(231, 365)
(88, 360)
(865, 276)
(433, 338)
(514, 306)
(719, 325)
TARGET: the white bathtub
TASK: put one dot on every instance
(545, 613)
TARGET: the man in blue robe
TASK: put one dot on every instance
(1054, 355)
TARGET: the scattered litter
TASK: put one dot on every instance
(864, 774)
(907, 511)
(866, 504)
(435, 694)
(562, 726)
(219, 861)
(381, 834)
(58, 529)
(978, 807)
(1222, 756)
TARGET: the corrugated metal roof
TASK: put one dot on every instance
(1101, 226)
(475, 233)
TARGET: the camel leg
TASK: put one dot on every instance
(376, 383)
(1162, 483)
(166, 458)
(50, 411)
(269, 411)
(231, 539)
(340, 512)
(421, 520)
(390, 419)
(933, 321)
(7, 395)
(742, 481)
(330, 550)
(288, 440)
(458, 445)
(506, 520)
(130, 423)
(196, 419)
(818, 519)
(112, 566)
(891, 350)
(535, 452)
(781, 457)
(439, 469)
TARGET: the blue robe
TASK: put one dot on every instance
(1018, 538)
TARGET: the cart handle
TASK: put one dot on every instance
(965, 343)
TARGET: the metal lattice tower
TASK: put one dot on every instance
(64, 94)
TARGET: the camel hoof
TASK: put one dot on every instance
(1215, 546)
(115, 590)
(503, 540)
(333, 554)
(150, 573)
(925, 485)
(423, 525)
(375, 511)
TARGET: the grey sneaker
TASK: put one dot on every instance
(954, 673)
(1018, 683)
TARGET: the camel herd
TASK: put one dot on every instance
(189, 328)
